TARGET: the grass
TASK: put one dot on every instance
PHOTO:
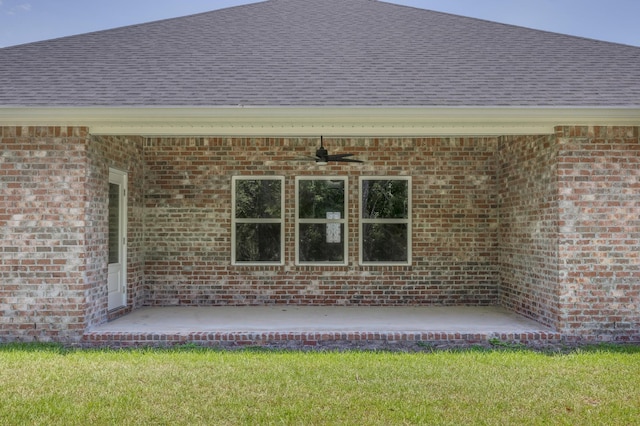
(56, 386)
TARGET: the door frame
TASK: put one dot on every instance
(120, 178)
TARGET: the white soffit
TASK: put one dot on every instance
(347, 121)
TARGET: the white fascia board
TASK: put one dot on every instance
(330, 121)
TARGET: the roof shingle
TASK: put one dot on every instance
(321, 53)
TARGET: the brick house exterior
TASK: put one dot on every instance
(533, 205)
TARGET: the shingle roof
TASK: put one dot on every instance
(321, 53)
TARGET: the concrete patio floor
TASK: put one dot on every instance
(459, 319)
(317, 325)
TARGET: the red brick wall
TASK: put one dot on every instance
(42, 232)
(53, 230)
(528, 238)
(123, 153)
(599, 224)
(188, 223)
(570, 230)
(548, 226)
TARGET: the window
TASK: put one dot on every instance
(321, 224)
(385, 220)
(115, 217)
(257, 220)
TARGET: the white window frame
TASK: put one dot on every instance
(344, 220)
(235, 220)
(362, 221)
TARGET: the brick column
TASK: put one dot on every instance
(599, 232)
(42, 233)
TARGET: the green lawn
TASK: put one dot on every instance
(51, 385)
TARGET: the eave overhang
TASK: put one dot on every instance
(314, 121)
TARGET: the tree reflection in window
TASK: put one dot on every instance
(321, 220)
(385, 220)
(258, 220)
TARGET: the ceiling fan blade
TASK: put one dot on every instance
(335, 156)
(305, 158)
(347, 160)
(343, 158)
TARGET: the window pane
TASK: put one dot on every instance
(258, 242)
(383, 242)
(256, 199)
(385, 199)
(114, 223)
(318, 197)
(321, 242)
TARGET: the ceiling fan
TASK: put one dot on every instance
(323, 157)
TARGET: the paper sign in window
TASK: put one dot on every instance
(333, 229)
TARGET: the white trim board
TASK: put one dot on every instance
(314, 121)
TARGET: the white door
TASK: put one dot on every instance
(117, 277)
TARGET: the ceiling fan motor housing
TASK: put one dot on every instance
(322, 155)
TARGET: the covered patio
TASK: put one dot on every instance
(320, 326)
(372, 176)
